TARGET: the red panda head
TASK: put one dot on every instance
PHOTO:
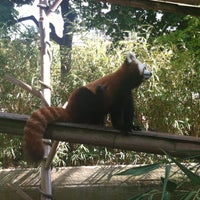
(136, 70)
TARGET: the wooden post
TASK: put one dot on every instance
(45, 62)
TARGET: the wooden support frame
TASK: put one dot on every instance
(141, 141)
(175, 6)
(44, 94)
(45, 63)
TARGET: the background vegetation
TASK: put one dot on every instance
(168, 102)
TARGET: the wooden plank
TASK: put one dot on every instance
(12, 123)
(141, 141)
(189, 2)
(158, 5)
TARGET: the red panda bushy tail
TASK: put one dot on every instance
(35, 128)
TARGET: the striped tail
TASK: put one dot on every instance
(35, 128)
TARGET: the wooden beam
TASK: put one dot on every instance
(188, 2)
(157, 5)
(141, 141)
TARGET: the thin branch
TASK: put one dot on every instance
(31, 17)
(25, 86)
(54, 7)
(51, 154)
(45, 85)
(54, 36)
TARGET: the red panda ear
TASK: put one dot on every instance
(130, 57)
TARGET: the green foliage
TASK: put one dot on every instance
(76, 155)
(137, 171)
(167, 102)
(194, 178)
(175, 185)
(19, 57)
(159, 107)
(182, 97)
(8, 13)
(10, 151)
(115, 20)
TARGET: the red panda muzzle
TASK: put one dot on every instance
(147, 74)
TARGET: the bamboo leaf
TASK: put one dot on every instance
(165, 194)
(136, 171)
(194, 178)
(171, 185)
(189, 196)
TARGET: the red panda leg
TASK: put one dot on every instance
(122, 113)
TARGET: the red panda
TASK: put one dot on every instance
(89, 104)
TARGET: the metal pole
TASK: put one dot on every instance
(46, 187)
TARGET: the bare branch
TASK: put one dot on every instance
(25, 86)
(51, 154)
(31, 17)
(54, 7)
(54, 36)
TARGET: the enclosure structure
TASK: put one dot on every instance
(139, 141)
(174, 6)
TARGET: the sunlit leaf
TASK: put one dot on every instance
(136, 171)
(189, 196)
(165, 195)
(194, 178)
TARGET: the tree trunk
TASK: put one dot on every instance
(66, 45)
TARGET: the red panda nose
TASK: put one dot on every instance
(147, 74)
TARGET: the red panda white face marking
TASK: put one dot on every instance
(142, 68)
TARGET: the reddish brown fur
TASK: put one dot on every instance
(113, 82)
(88, 104)
(34, 129)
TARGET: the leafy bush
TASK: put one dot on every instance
(175, 183)
(183, 72)
(165, 103)
(19, 56)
